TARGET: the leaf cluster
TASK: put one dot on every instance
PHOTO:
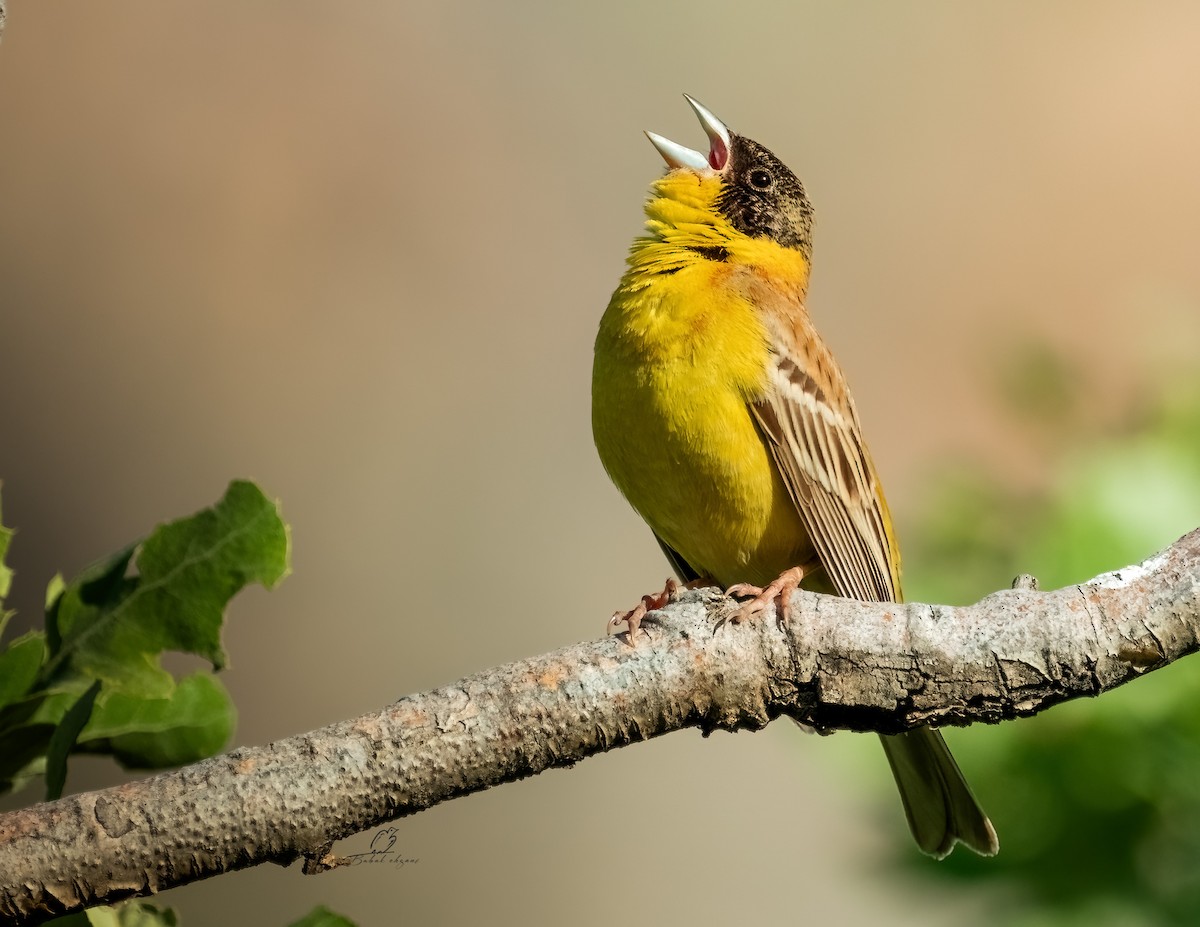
(92, 679)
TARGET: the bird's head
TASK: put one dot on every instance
(738, 189)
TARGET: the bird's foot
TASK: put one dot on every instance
(651, 603)
(779, 591)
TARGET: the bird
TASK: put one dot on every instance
(724, 419)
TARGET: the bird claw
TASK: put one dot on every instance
(650, 603)
(779, 593)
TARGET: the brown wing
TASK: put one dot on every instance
(813, 432)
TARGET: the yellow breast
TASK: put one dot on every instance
(679, 356)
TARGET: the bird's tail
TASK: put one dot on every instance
(937, 800)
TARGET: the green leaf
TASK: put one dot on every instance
(54, 591)
(195, 722)
(113, 627)
(131, 913)
(6, 574)
(63, 740)
(19, 665)
(23, 757)
(94, 682)
(74, 610)
(26, 727)
(136, 914)
(321, 916)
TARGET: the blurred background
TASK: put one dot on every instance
(358, 252)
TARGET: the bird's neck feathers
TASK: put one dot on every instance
(686, 226)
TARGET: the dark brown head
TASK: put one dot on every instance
(761, 197)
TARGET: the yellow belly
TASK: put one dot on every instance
(676, 363)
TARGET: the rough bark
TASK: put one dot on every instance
(837, 664)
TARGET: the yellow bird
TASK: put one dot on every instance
(724, 419)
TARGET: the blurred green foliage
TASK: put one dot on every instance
(321, 916)
(132, 913)
(137, 913)
(1097, 803)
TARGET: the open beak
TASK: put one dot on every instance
(677, 155)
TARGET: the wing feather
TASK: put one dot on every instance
(812, 429)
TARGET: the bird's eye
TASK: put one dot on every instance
(760, 179)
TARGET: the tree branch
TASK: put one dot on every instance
(838, 664)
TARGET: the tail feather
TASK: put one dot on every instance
(937, 800)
